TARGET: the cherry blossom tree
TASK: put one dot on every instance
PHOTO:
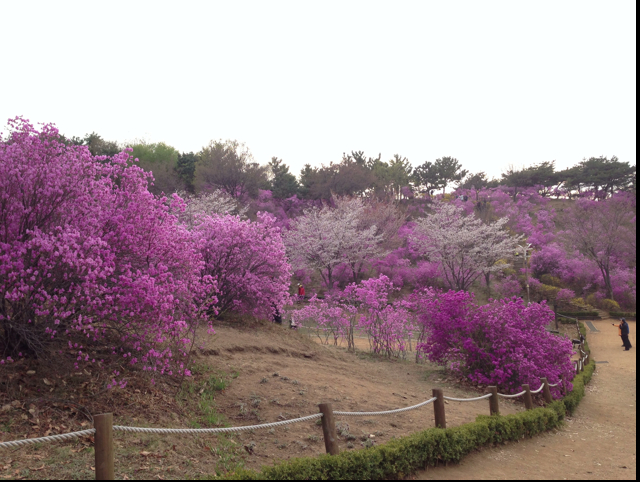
(464, 246)
(323, 238)
(216, 202)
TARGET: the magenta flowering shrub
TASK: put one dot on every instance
(401, 267)
(388, 326)
(331, 319)
(89, 254)
(565, 295)
(365, 307)
(504, 343)
(507, 287)
(528, 213)
(248, 262)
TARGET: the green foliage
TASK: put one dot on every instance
(542, 175)
(622, 314)
(572, 400)
(477, 182)
(162, 160)
(350, 177)
(426, 177)
(283, 184)
(544, 292)
(606, 174)
(609, 305)
(550, 280)
(400, 457)
(439, 174)
(229, 165)
(580, 314)
(186, 169)
(98, 146)
(449, 170)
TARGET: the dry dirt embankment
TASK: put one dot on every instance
(309, 374)
(242, 377)
(598, 442)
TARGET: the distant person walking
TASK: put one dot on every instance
(301, 292)
(623, 331)
(625, 335)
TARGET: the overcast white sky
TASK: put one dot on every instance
(491, 83)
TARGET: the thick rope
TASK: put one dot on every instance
(215, 430)
(50, 438)
(512, 396)
(483, 397)
(538, 390)
(554, 384)
(387, 412)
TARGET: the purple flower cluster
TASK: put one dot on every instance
(503, 343)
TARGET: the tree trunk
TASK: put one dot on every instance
(487, 278)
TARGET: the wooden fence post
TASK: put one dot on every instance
(578, 367)
(528, 401)
(494, 406)
(329, 429)
(546, 391)
(564, 386)
(104, 446)
(438, 408)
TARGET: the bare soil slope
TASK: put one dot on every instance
(286, 375)
(599, 442)
(243, 376)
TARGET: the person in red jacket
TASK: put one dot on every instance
(300, 291)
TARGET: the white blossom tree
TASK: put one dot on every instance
(464, 246)
(322, 239)
(216, 202)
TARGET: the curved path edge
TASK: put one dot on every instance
(597, 442)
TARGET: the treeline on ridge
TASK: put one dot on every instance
(230, 166)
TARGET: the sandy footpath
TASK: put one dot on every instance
(598, 442)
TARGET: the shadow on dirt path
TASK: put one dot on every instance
(598, 442)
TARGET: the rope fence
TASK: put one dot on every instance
(185, 431)
(50, 438)
(104, 428)
(386, 412)
(512, 396)
(483, 397)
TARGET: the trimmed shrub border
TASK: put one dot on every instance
(400, 457)
(592, 315)
(622, 314)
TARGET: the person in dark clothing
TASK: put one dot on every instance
(624, 329)
(277, 317)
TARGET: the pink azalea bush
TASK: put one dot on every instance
(366, 307)
(248, 262)
(507, 287)
(88, 254)
(503, 343)
(331, 319)
(388, 325)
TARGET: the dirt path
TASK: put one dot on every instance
(599, 442)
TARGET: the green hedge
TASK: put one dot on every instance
(401, 457)
(622, 314)
(578, 314)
